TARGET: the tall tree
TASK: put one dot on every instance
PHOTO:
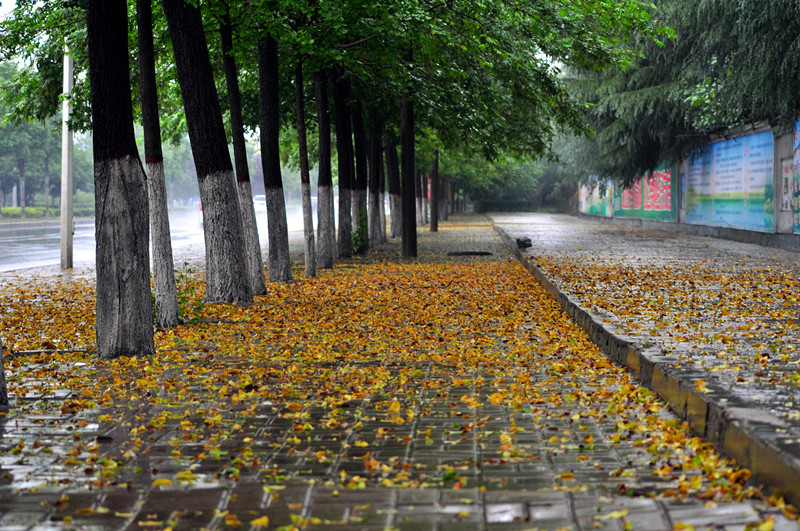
(124, 307)
(255, 264)
(305, 179)
(344, 148)
(280, 266)
(418, 194)
(226, 273)
(393, 176)
(408, 175)
(326, 228)
(359, 206)
(166, 292)
(435, 192)
(382, 187)
(377, 232)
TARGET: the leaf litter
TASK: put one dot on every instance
(400, 375)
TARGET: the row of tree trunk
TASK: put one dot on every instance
(129, 198)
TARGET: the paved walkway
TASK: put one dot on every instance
(710, 324)
(448, 393)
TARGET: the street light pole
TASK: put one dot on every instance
(67, 222)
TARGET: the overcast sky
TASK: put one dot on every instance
(6, 6)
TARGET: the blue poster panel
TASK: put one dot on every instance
(729, 184)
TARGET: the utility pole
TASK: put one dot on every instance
(67, 221)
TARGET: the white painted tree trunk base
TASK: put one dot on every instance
(166, 292)
(395, 211)
(255, 263)
(280, 263)
(124, 306)
(308, 232)
(375, 226)
(226, 271)
(382, 198)
(326, 228)
(344, 245)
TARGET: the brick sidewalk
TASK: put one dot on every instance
(709, 324)
(498, 414)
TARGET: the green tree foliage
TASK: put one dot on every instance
(729, 64)
(486, 76)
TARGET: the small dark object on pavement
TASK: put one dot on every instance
(524, 243)
(469, 253)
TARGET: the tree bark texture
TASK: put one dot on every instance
(226, 273)
(326, 221)
(435, 192)
(359, 206)
(393, 176)
(448, 195)
(305, 178)
(255, 264)
(408, 176)
(124, 305)
(280, 264)
(166, 291)
(377, 234)
(344, 147)
(382, 187)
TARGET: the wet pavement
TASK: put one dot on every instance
(475, 404)
(711, 324)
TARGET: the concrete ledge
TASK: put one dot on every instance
(755, 438)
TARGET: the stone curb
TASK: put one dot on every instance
(758, 440)
(14, 225)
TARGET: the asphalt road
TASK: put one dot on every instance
(26, 245)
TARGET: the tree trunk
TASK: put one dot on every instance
(435, 192)
(418, 196)
(359, 207)
(382, 186)
(408, 175)
(376, 237)
(326, 224)
(305, 178)
(344, 147)
(226, 272)
(443, 198)
(124, 306)
(255, 264)
(393, 176)
(166, 292)
(280, 264)
(448, 193)
(47, 185)
(22, 202)
(425, 202)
